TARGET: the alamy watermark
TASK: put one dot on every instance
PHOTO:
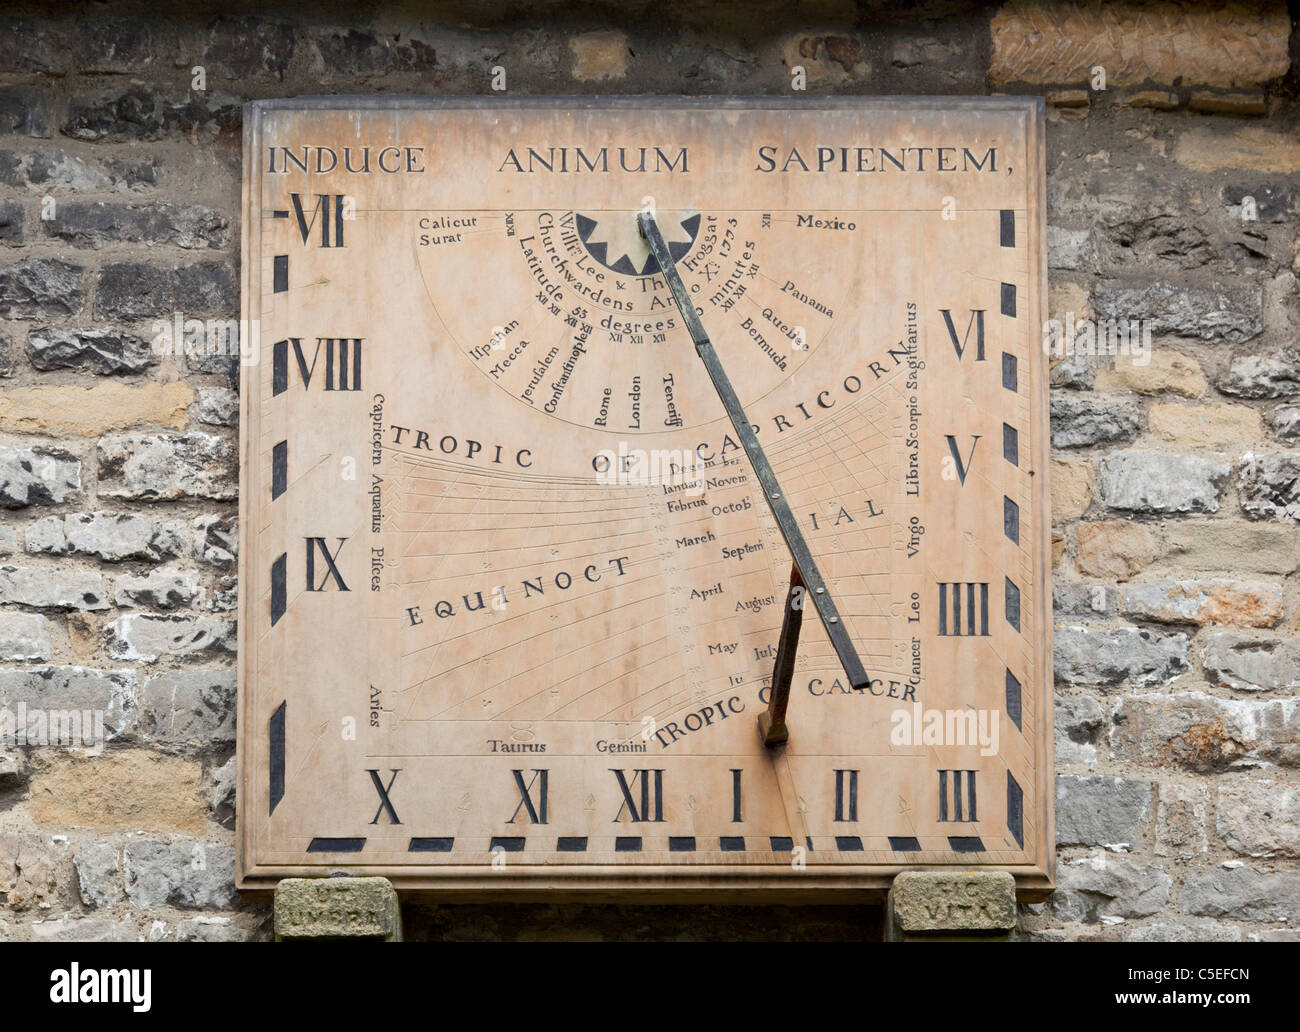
(206, 338)
(1071, 337)
(67, 728)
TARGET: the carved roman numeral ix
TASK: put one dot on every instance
(317, 544)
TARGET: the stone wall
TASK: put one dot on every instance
(1176, 482)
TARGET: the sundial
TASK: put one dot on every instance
(644, 498)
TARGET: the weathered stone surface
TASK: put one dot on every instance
(1099, 811)
(113, 45)
(1085, 420)
(24, 109)
(141, 113)
(127, 789)
(186, 873)
(103, 701)
(97, 351)
(46, 537)
(167, 466)
(146, 638)
(1255, 148)
(241, 48)
(1177, 43)
(45, 588)
(337, 908)
(1259, 818)
(1243, 894)
(11, 223)
(95, 223)
(831, 60)
(978, 904)
(1221, 311)
(40, 288)
(1242, 603)
(1263, 376)
(219, 790)
(86, 929)
(1078, 726)
(1205, 426)
(216, 539)
(1071, 485)
(38, 476)
(1206, 734)
(1076, 599)
(1113, 548)
(1098, 887)
(1109, 658)
(58, 170)
(15, 772)
(218, 406)
(120, 536)
(194, 708)
(1286, 423)
(1164, 372)
(33, 46)
(1237, 545)
(1253, 664)
(1067, 248)
(24, 636)
(1147, 481)
(134, 291)
(1269, 485)
(1185, 931)
(91, 411)
(28, 871)
(99, 874)
(599, 56)
(8, 540)
(156, 590)
(1181, 815)
(6, 355)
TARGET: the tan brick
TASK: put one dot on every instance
(599, 56)
(1243, 102)
(1071, 488)
(1242, 603)
(1165, 371)
(1113, 548)
(1204, 426)
(1244, 546)
(1234, 44)
(1058, 549)
(130, 788)
(1255, 148)
(1157, 100)
(1064, 299)
(91, 411)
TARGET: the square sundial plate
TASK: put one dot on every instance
(509, 599)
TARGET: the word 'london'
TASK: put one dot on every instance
(770, 157)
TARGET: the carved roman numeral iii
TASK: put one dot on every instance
(957, 795)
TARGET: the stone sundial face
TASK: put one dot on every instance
(510, 592)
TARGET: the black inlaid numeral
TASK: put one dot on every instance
(385, 803)
(977, 603)
(648, 805)
(957, 795)
(846, 796)
(536, 808)
(328, 209)
(976, 321)
(317, 545)
(963, 467)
